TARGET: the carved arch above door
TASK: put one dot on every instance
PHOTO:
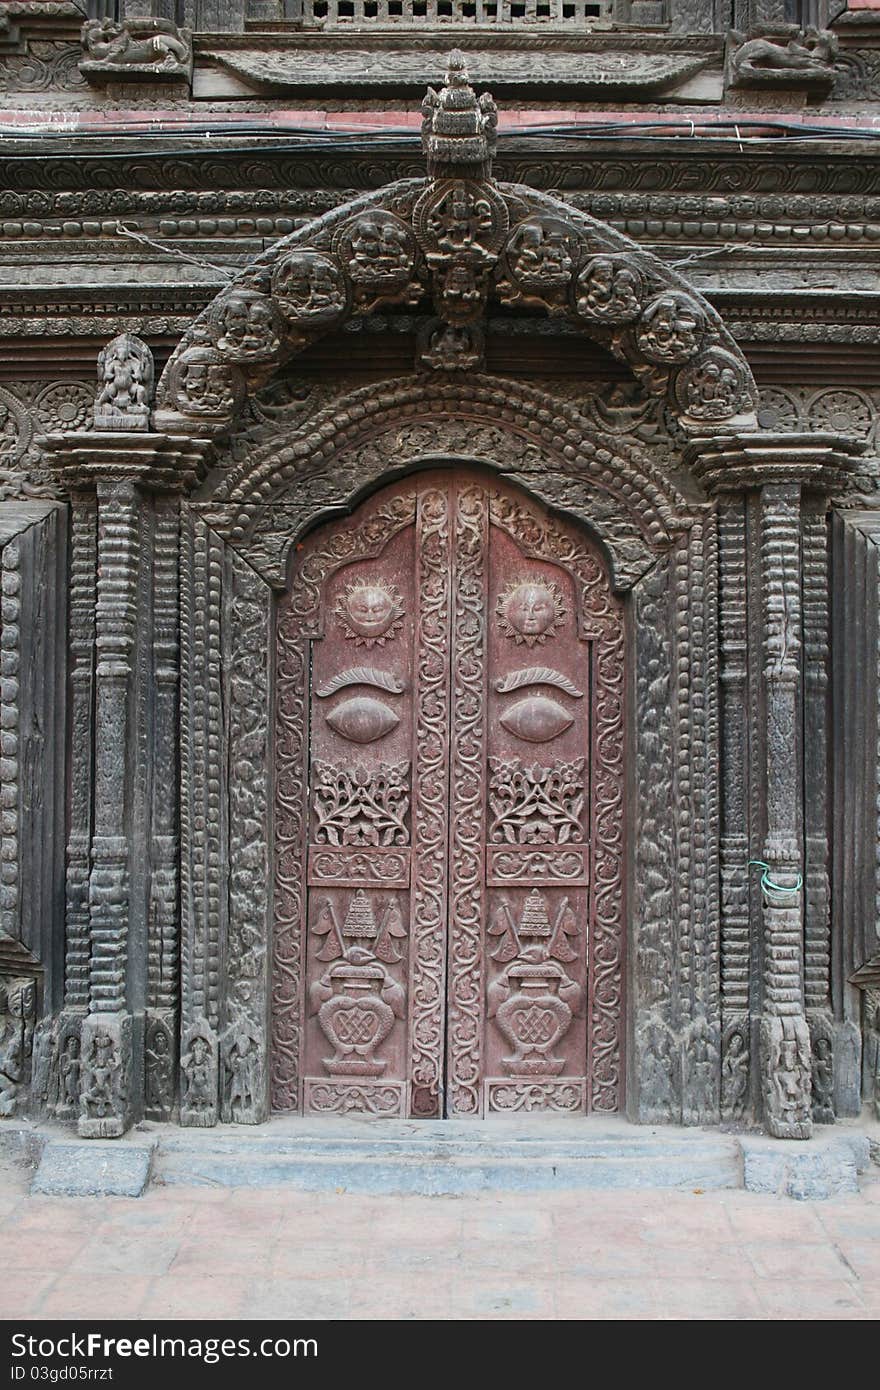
(463, 241)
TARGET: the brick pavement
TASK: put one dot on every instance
(237, 1253)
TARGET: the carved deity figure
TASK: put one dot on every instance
(125, 382)
(380, 250)
(872, 1058)
(822, 1071)
(452, 348)
(540, 255)
(609, 291)
(99, 1082)
(671, 329)
(197, 1071)
(309, 286)
(245, 327)
(242, 1064)
(657, 1066)
(17, 1011)
(69, 1073)
(734, 1078)
(158, 1089)
(712, 390)
(789, 1081)
(143, 43)
(205, 389)
(12, 1056)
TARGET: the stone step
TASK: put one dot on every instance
(447, 1158)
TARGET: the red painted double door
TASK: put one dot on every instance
(449, 764)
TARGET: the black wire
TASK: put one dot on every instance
(305, 139)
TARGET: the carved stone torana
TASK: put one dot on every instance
(125, 385)
(137, 49)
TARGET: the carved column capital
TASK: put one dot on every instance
(84, 460)
(822, 461)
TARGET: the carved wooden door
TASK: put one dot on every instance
(449, 765)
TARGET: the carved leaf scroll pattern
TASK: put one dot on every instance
(297, 623)
(364, 806)
(468, 834)
(430, 806)
(601, 616)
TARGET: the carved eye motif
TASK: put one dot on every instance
(536, 719)
(362, 719)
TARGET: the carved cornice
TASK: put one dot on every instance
(822, 461)
(82, 459)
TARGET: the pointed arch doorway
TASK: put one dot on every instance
(449, 683)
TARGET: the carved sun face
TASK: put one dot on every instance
(530, 610)
(370, 612)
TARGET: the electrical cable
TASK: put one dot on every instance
(298, 140)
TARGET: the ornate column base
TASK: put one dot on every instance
(107, 1081)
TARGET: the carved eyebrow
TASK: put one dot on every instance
(537, 675)
(362, 675)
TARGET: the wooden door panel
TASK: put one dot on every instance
(455, 646)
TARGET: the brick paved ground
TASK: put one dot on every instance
(226, 1254)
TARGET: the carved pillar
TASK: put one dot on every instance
(772, 493)
(122, 910)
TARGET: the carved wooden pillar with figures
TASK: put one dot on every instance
(772, 495)
(122, 913)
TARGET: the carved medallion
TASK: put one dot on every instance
(370, 612)
(309, 287)
(363, 720)
(610, 289)
(378, 253)
(540, 258)
(530, 610)
(245, 326)
(204, 384)
(671, 329)
(713, 387)
(536, 719)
